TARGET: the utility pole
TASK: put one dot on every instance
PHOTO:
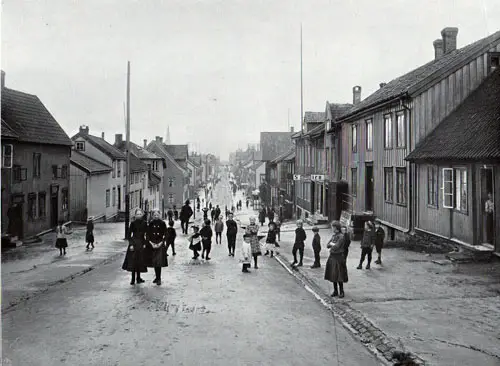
(127, 185)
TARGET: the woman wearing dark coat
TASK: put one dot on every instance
(89, 236)
(134, 259)
(156, 249)
(336, 268)
(262, 217)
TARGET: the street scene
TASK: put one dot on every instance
(232, 183)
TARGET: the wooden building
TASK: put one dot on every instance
(35, 166)
(381, 130)
(458, 171)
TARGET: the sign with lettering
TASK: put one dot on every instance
(345, 218)
(296, 177)
(317, 177)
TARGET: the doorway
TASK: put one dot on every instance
(119, 198)
(488, 232)
(312, 188)
(369, 187)
(15, 216)
(54, 212)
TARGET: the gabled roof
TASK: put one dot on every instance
(193, 163)
(290, 156)
(316, 131)
(102, 145)
(27, 117)
(178, 152)
(257, 165)
(8, 132)
(282, 157)
(91, 166)
(136, 165)
(470, 132)
(154, 180)
(423, 77)
(314, 117)
(164, 153)
(138, 151)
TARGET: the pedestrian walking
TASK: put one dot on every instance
(186, 213)
(210, 206)
(239, 204)
(316, 245)
(205, 213)
(300, 238)
(271, 243)
(379, 240)
(195, 241)
(206, 239)
(251, 233)
(156, 251)
(347, 238)
(134, 259)
(170, 214)
(171, 235)
(278, 229)
(213, 213)
(219, 228)
(270, 214)
(367, 243)
(217, 211)
(176, 213)
(262, 217)
(61, 240)
(336, 268)
(231, 232)
(247, 202)
(89, 236)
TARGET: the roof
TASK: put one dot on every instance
(102, 145)
(7, 131)
(470, 132)
(256, 165)
(290, 156)
(312, 133)
(178, 152)
(273, 144)
(424, 76)
(339, 109)
(136, 165)
(27, 117)
(154, 179)
(88, 164)
(282, 157)
(193, 163)
(138, 151)
(314, 117)
(164, 153)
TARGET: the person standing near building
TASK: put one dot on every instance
(262, 217)
(170, 239)
(134, 259)
(206, 240)
(186, 213)
(316, 245)
(231, 232)
(300, 238)
(367, 244)
(489, 210)
(379, 241)
(219, 228)
(205, 213)
(156, 237)
(170, 214)
(336, 268)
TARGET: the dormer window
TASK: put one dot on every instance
(494, 61)
(80, 145)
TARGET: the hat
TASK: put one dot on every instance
(336, 224)
(187, 202)
(315, 229)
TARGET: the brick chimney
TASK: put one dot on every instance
(382, 85)
(145, 143)
(157, 138)
(3, 78)
(356, 94)
(438, 48)
(449, 35)
(118, 139)
(84, 130)
(102, 135)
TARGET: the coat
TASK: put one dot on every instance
(368, 240)
(251, 233)
(155, 254)
(379, 239)
(219, 226)
(300, 237)
(206, 234)
(134, 258)
(171, 235)
(186, 213)
(231, 228)
(316, 244)
(336, 268)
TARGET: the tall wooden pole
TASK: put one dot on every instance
(301, 86)
(127, 179)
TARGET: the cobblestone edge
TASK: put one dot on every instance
(48, 286)
(354, 321)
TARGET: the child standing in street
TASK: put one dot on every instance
(89, 236)
(246, 254)
(379, 241)
(171, 235)
(271, 243)
(219, 227)
(61, 241)
(278, 229)
(367, 245)
(316, 244)
(195, 242)
(206, 239)
(300, 237)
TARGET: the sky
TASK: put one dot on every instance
(218, 72)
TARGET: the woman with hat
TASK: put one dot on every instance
(134, 259)
(336, 268)
(157, 234)
(251, 234)
(89, 236)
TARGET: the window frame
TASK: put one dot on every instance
(65, 199)
(37, 165)
(113, 197)
(369, 134)
(391, 192)
(19, 174)
(10, 157)
(432, 172)
(55, 170)
(403, 142)
(388, 140)
(64, 172)
(456, 171)
(443, 187)
(32, 207)
(42, 197)
(401, 171)
(82, 145)
(108, 198)
(354, 178)
(354, 138)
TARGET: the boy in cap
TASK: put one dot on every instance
(316, 244)
(379, 240)
(300, 237)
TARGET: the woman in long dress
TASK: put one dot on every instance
(134, 259)
(336, 268)
(251, 232)
(157, 235)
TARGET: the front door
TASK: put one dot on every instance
(54, 212)
(119, 198)
(487, 207)
(369, 187)
(312, 189)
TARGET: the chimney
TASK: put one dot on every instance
(145, 143)
(84, 130)
(356, 95)
(382, 85)
(161, 140)
(449, 35)
(118, 139)
(3, 79)
(291, 129)
(102, 135)
(438, 48)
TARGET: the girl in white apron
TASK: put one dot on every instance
(61, 241)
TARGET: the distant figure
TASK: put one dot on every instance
(170, 214)
(206, 239)
(231, 231)
(262, 217)
(367, 244)
(219, 227)
(176, 213)
(89, 236)
(205, 213)
(248, 202)
(171, 235)
(195, 242)
(186, 213)
(316, 245)
(61, 241)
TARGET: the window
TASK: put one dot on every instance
(389, 185)
(7, 156)
(32, 206)
(114, 197)
(354, 181)
(388, 131)
(447, 188)
(354, 137)
(113, 171)
(37, 162)
(54, 172)
(400, 130)
(119, 169)
(171, 181)
(41, 204)
(432, 184)
(401, 186)
(369, 135)
(149, 166)
(19, 173)
(64, 199)
(461, 189)
(493, 61)
(64, 172)
(107, 197)
(80, 145)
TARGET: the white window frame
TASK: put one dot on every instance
(369, 134)
(388, 143)
(81, 144)
(400, 117)
(10, 158)
(443, 187)
(458, 189)
(354, 138)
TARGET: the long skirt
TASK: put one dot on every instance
(157, 257)
(61, 243)
(336, 269)
(89, 237)
(134, 260)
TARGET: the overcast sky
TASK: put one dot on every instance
(218, 72)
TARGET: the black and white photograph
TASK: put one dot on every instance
(250, 182)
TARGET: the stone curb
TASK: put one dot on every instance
(49, 285)
(354, 321)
